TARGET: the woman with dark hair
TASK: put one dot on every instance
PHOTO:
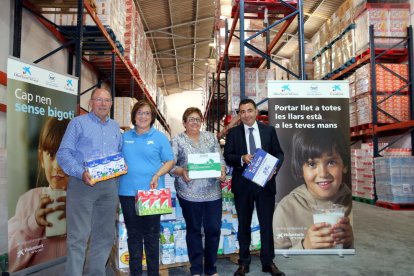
(148, 155)
(321, 159)
(200, 199)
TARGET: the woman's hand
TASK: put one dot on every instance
(319, 236)
(222, 177)
(343, 233)
(154, 182)
(184, 175)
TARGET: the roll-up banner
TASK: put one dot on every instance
(40, 103)
(314, 209)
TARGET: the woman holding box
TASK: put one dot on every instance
(148, 155)
(200, 199)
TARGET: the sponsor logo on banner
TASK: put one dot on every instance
(26, 74)
(308, 89)
(69, 85)
(52, 80)
(336, 90)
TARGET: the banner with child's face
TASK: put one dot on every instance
(314, 183)
(40, 104)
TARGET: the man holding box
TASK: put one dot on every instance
(90, 206)
(241, 142)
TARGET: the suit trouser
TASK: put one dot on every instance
(90, 214)
(265, 205)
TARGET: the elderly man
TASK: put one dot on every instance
(90, 207)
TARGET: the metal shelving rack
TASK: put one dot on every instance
(217, 102)
(379, 57)
(109, 62)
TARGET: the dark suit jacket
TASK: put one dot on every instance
(236, 147)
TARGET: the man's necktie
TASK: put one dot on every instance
(252, 144)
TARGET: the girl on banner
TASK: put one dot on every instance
(37, 232)
(321, 160)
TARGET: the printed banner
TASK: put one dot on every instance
(314, 183)
(40, 104)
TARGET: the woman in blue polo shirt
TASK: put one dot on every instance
(149, 156)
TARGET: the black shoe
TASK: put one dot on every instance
(272, 269)
(242, 270)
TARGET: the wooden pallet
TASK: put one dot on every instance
(234, 257)
(395, 206)
(364, 200)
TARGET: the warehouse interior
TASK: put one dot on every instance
(187, 53)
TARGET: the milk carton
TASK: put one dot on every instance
(153, 202)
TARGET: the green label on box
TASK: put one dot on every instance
(208, 166)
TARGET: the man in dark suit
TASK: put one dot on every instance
(237, 153)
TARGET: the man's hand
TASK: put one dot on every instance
(86, 177)
(247, 158)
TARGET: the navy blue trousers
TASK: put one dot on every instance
(207, 215)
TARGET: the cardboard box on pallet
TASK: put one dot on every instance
(390, 20)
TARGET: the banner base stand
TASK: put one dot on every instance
(340, 252)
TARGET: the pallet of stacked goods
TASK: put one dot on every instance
(295, 62)
(362, 171)
(388, 79)
(173, 246)
(389, 20)
(255, 83)
(394, 173)
(122, 111)
(352, 45)
(229, 246)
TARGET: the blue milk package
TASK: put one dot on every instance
(262, 167)
(106, 167)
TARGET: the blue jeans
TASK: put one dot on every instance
(142, 232)
(208, 215)
(90, 214)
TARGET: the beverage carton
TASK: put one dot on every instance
(153, 202)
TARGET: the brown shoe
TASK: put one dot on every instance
(273, 270)
(242, 270)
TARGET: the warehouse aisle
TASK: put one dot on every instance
(384, 243)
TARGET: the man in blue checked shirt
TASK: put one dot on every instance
(90, 207)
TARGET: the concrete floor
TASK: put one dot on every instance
(384, 244)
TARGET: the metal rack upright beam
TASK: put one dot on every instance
(411, 76)
(289, 10)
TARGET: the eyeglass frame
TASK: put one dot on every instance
(194, 120)
(102, 100)
(142, 113)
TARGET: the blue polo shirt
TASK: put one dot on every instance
(144, 154)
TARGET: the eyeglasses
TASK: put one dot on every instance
(193, 120)
(101, 100)
(143, 113)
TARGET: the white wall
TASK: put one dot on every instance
(177, 104)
